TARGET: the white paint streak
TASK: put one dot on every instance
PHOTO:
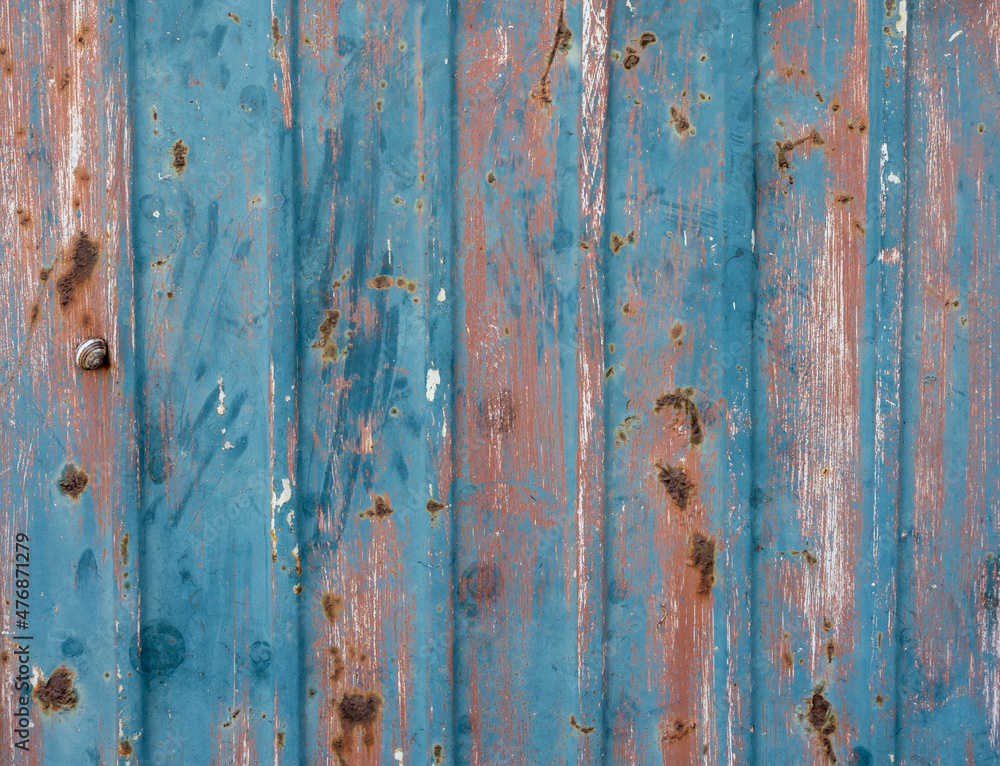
(221, 409)
(433, 381)
(441, 296)
(894, 178)
(901, 24)
(952, 38)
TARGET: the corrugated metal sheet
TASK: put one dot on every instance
(519, 383)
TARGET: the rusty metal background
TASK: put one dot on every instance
(512, 383)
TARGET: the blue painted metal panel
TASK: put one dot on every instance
(523, 383)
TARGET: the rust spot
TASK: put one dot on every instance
(438, 754)
(617, 242)
(497, 413)
(57, 693)
(326, 328)
(860, 228)
(332, 605)
(835, 106)
(631, 60)
(843, 199)
(279, 738)
(379, 508)
(73, 481)
(879, 700)
(981, 128)
(560, 43)
(647, 38)
(785, 148)
(681, 400)
(576, 725)
(125, 748)
(338, 664)
(823, 722)
(123, 549)
(379, 104)
(359, 707)
(678, 485)
(4, 657)
(677, 729)
(434, 507)
(179, 151)
(626, 308)
(676, 331)
(622, 431)
(609, 373)
(680, 121)
(828, 625)
(82, 175)
(235, 17)
(701, 555)
(63, 80)
(276, 31)
(787, 659)
(380, 282)
(83, 259)
(831, 650)
(702, 96)
(890, 8)
(819, 96)
(81, 35)
(24, 218)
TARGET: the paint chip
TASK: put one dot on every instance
(441, 296)
(221, 409)
(433, 381)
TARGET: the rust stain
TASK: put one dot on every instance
(81, 36)
(381, 282)
(276, 35)
(560, 43)
(123, 549)
(179, 152)
(379, 508)
(57, 693)
(681, 400)
(279, 738)
(622, 431)
(701, 555)
(235, 17)
(74, 481)
(681, 122)
(786, 147)
(125, 749)
(339, 666)
(332, 606)
(677, 728)
(83, 261)
(678, 485)
(822, 721)
(326, 328)
(831, 650)
(434, 507)
(24, 217)
(438, 754)
(44, 273)
(356, 709)
(580, 728)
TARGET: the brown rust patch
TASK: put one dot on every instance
(83, 261)
(24, 217)
(787, 658)
(578, 726)
(434, 507)
(701, 556)
(681, 400)
(125, 749)
(380, 508)
(235, 17)
(831, 650)
(326, 329)
(81, 36)
(438, 754)
(822, 721)
(676, 729)
(279, 738)
(338, 664)
(497, 413)
(179, 153)
(332, 606)
(82, 175)
(560, 43)
(617, 242)
(631, 59)
(276, 35)
(680, 121)
(381, 282)
(622, 431)
(647, 38)
(357, 708)
(844, 199)
(679, 486)
(57, 693)
(123, 549)
(785, 148)
(73, 481)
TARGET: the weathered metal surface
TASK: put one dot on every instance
(499, 383)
